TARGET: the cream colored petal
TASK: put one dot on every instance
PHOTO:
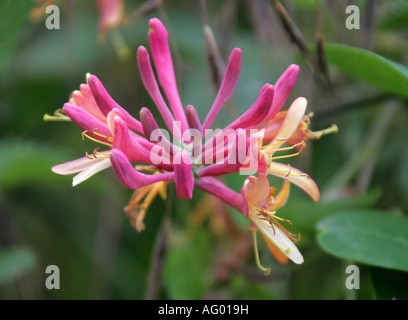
(279, 239)
(73, 166)
(86, 167)
(296, 177)
(94, 166)
(290, 124)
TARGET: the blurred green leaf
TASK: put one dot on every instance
(389, 284)
(396, 20)
(15, 262)
(25, 161)
(185, 270)
(13, 15)
(306, 214)
(368, 236)
(369, 66)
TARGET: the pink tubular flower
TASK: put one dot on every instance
(179, 152)
(111, 13)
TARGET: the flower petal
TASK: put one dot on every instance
(281, 198)
(132, 178)
(106, 103)
(85, 121)
(192, 118)
(248, 120)
(232, 162)
(276, 252)
(86, 166)
(130, 146)
(227, 88)
(279, 239)
(283, 89)
(150, 126)
(97, 165)
(76, 165)
(151, 86)
(292, 120)
(256, 189)
(158, 39)
(183, 175)
(84, 99)
(111, 14)
(257, 112)
(296, 177)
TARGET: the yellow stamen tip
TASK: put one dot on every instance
(58, 116)
(332, 129)
(335, 129)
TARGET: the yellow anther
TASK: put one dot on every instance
(58, 116)
(332, 129)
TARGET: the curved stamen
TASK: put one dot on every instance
(286, 156)
(89, 134)
(266, 271)
(96, 154)
(271, 217)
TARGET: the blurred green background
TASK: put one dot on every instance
(201, 249)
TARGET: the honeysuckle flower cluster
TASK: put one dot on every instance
(188, 152)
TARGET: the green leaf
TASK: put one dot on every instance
(305, 213)
(13, 15)
(370, 67)
(389, 284)
(395, 20)
(15, 262)
(185, 270)
(26, 161)
(367, 236)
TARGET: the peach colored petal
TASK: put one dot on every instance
(256, 189)
(296, 177)
(281, 198)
